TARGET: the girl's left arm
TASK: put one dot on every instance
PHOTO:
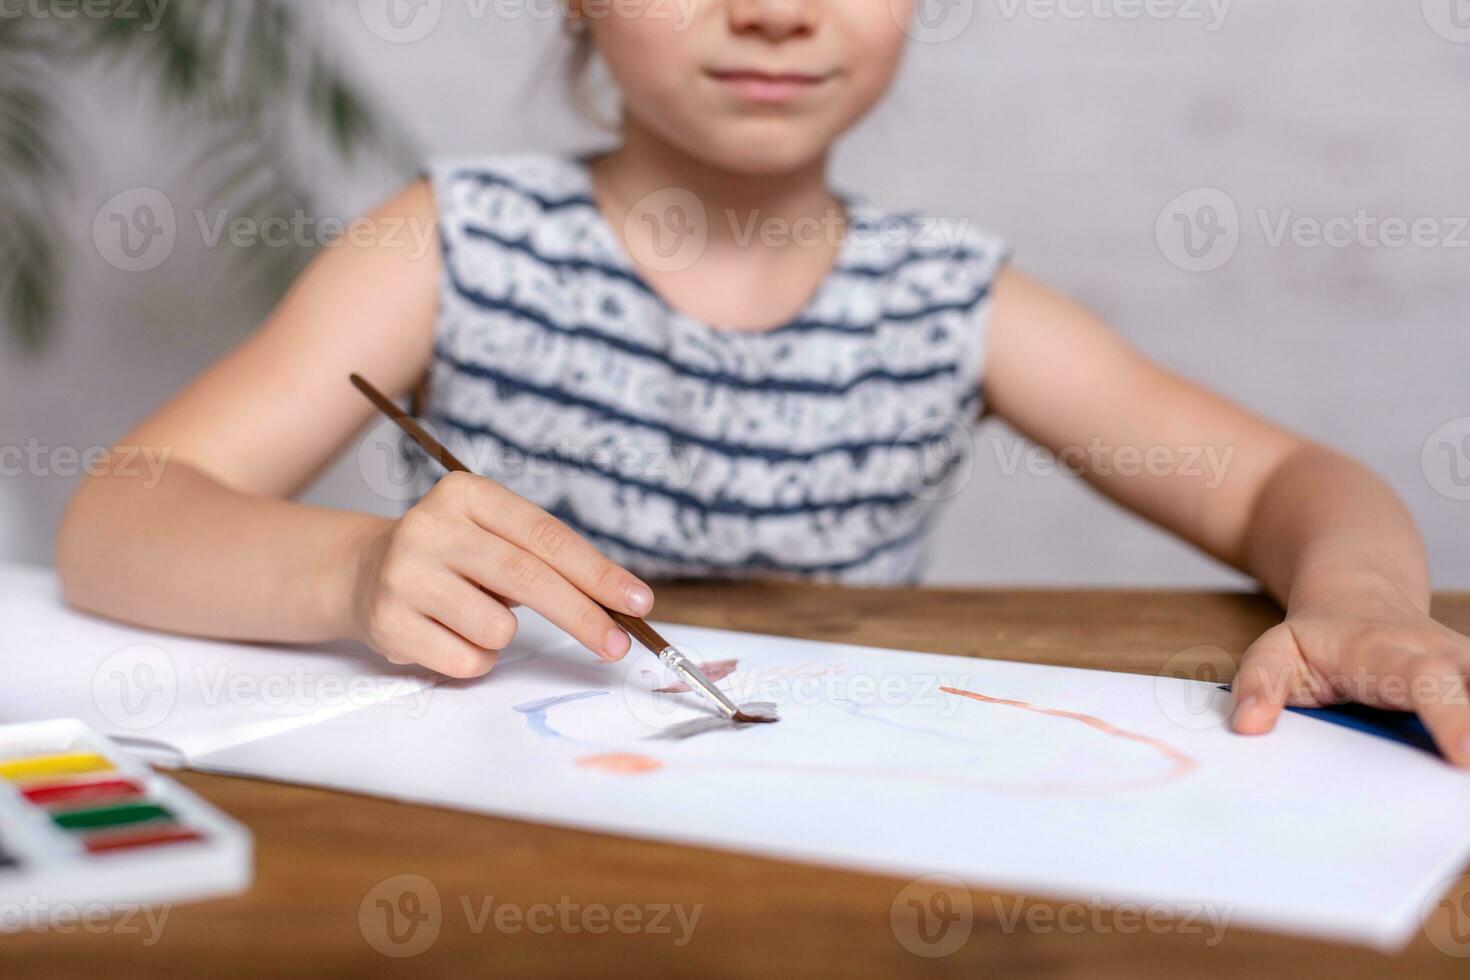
(1321, 532)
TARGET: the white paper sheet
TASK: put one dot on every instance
(1144, 797)
(1044, 781)
(169, 697)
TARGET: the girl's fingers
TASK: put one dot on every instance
(1437, 689)
(467, 609)
(1267, 676)
(530, 528)
(520, 576)
(1431, 684)
(1413, 677)
(442, 650)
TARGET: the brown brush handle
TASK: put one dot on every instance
(409, 424)
(639, 629)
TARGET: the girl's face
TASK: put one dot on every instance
(758, 87)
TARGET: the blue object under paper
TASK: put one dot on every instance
(1396, 726)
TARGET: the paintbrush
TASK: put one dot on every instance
(671, 655)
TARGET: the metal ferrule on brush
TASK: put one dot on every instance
(676, 661)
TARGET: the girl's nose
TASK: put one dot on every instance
(774, 19)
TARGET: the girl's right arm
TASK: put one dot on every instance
(215, 547)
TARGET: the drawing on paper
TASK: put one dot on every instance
(961, 761)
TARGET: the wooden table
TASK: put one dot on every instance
(321, 854)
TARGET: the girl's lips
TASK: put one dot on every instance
(767, 87)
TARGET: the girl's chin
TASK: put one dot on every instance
(763, 149)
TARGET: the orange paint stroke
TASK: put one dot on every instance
(715, 670)
(1183, 764)
(632, 764)
(621, 763)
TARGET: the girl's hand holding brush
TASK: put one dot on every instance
(435, 586)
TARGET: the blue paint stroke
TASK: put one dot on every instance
(861, 711)
(535, 711)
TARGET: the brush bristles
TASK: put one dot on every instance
(741, 716)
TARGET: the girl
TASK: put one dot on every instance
(689, 357)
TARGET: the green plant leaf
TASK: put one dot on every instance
(241, 76)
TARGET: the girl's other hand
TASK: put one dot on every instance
(1359, 639)
(435, 587)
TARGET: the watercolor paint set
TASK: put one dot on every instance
(81, 822)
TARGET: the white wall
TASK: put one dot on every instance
(1067, 135)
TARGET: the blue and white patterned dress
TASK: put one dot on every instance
(818, 449)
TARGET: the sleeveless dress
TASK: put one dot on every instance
(821, 449)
